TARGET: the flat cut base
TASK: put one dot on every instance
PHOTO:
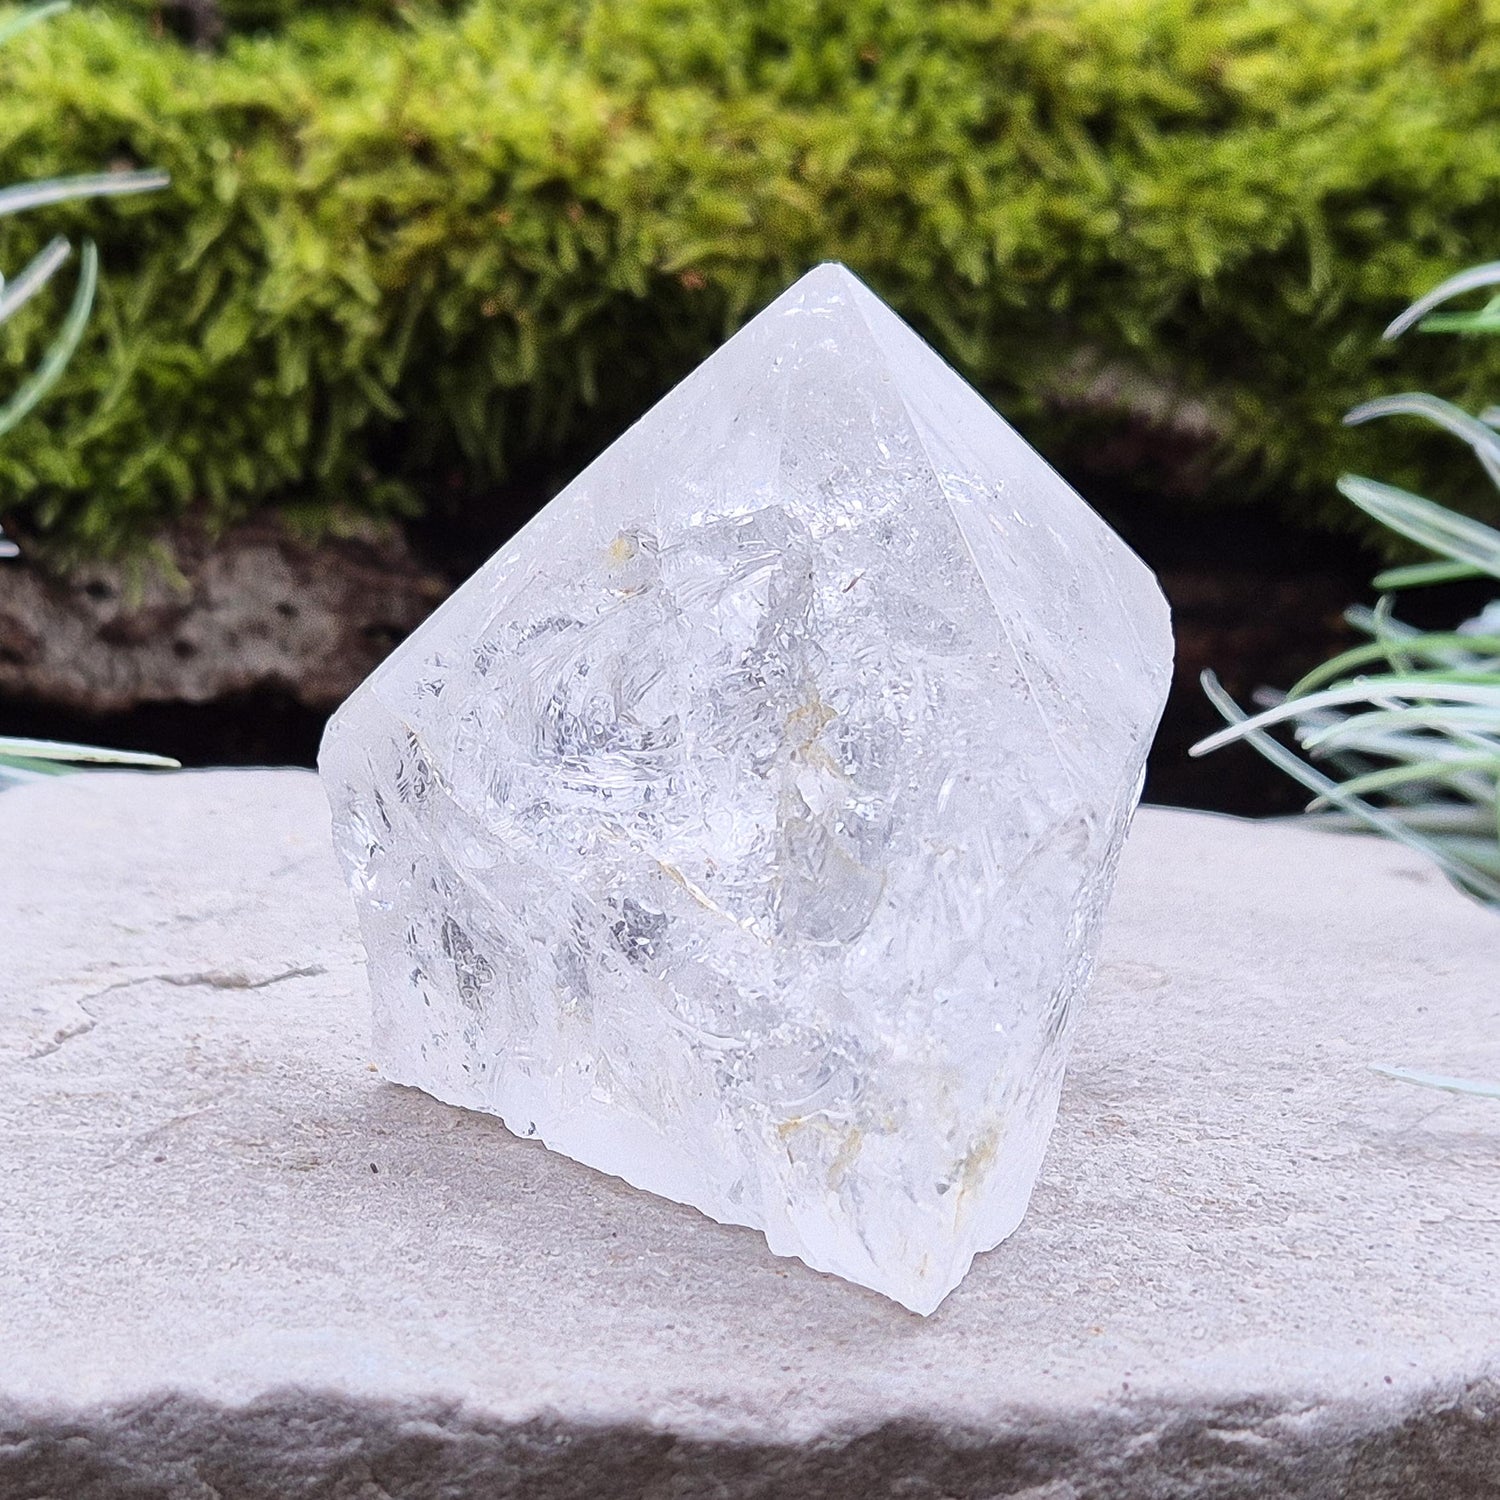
(232, 1259)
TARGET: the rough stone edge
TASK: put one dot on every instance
(1440, 1445)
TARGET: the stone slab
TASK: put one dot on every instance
(233, 1261)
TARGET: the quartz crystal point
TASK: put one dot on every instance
(744, 826)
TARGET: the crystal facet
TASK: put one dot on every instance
(744, 826)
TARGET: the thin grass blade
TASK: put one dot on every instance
(1379, 621)
(1417, 575)
(38, 272)
(1365, 690)
(1442, 531)
(19, 765)
(17, 24)
(1359, 732)
(1439, 772)
(55, 361)
(1437, 1081)
(60, 750)
(1482, 885)
(17, 199)
(1483, 440)
(1451, 647)
(1455, 286)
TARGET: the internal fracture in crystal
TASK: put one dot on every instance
(744, 826)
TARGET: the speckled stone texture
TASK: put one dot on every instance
(234, 1262)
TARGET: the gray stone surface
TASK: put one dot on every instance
(232, 1261)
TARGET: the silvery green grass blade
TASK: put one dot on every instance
(1417, 575)
(1451, 647)
(1456, 538)
(1472, 280)
(30, 760)
(14, 25)
(1428, 687)
(1437, 1081)
(14, 200)
(1441, 770)
(1486, 320)
(55, 360)
(1380, 622)
(60, 751)
(1484, 440)
(1332, 793)
(23, 768)
(16, 293)
(1370, 733)
(1459, 820)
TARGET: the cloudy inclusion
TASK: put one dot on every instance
(744, 826)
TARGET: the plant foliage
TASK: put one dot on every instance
(413, 246)
(1409, 720)
(21, 758)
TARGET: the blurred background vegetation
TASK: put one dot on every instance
(412, 250)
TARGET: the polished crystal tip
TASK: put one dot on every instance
(743, 826)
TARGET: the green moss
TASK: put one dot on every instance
(408, 248)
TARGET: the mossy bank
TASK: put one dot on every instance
(411, 250)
